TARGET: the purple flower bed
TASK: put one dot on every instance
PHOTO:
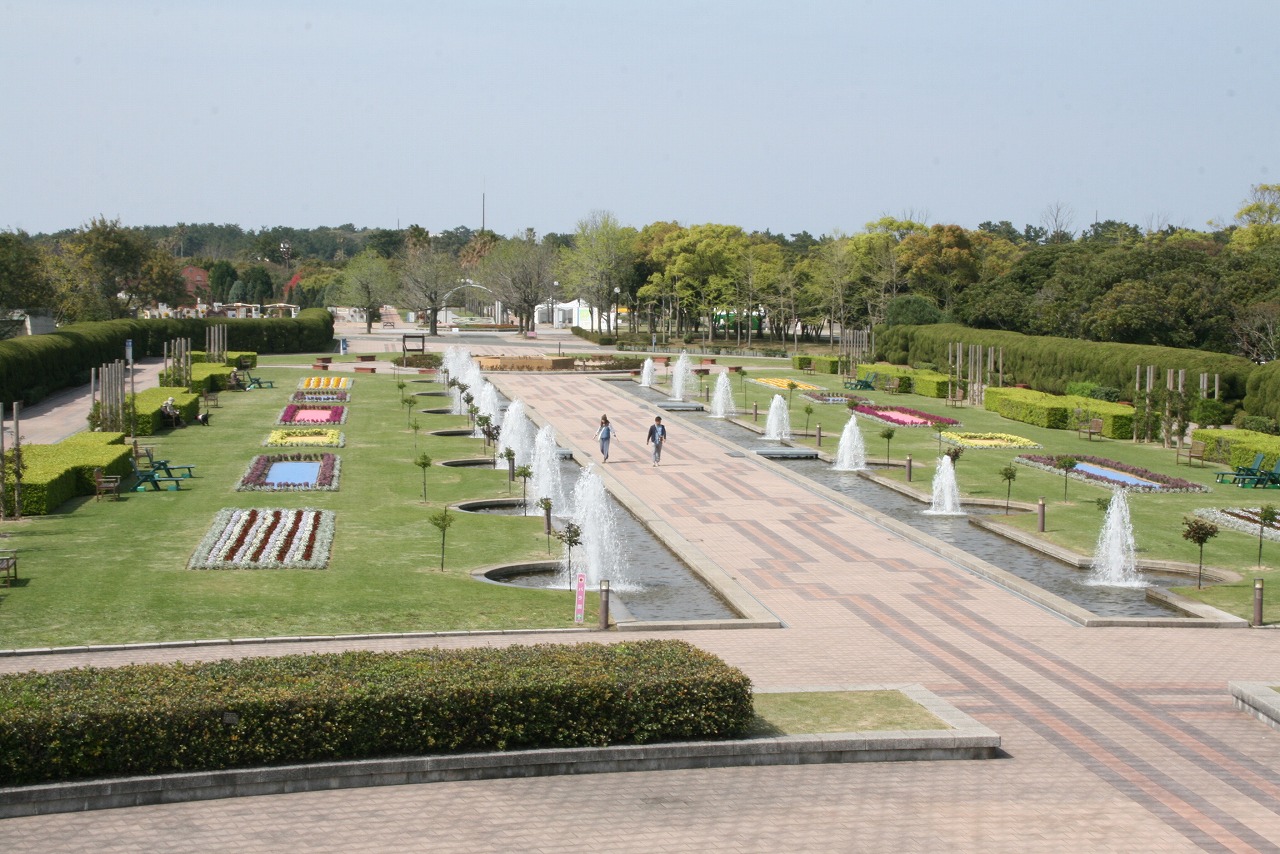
(320, 397)
(1049, 462)
(901, 416)
(312, 414)
(255, 478)
(823, 396)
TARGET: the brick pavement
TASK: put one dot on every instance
(1118, 739)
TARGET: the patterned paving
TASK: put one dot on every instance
(1118, 739)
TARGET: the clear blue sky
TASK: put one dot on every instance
(815, 116)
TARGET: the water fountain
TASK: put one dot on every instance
(598, 555)
(546, 482)
(517, 434)
(851, 455)
(487, 401)
(646, 374)
(946, 493)
(1114, 563)
(682, 379)
(722, 399)
(777, 427)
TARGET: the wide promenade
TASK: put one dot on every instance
(1118, 739)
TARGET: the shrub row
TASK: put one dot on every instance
(148, 403)
(1048, 364)
(606, 339)
(57, 473)
(925, 382)
(162, 718)
(1238, 447)
(1059, 412)
(34, 366)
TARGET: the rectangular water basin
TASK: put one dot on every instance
(293, 473)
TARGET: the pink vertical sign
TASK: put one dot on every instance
(580, 600)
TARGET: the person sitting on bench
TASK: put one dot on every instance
(234, 383)
(171, 413)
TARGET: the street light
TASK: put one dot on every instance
(616, 291)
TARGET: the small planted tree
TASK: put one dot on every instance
(887, 434)
(571, 536)
(1266, 518)
(483, 422)
(423, 461)
(791, 387)
(442, 521)
(415, 425)
(524, 473)
(1008, 474)
(939, 428)
(544, 504)
(808, 411)
(407, 403)
(1199, 532)
(954, 454)
(1066, 464)
(510, 456)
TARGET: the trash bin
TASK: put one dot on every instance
(342, 346)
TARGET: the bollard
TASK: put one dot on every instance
(604, 605)
(706, 392)
(755, 411)
(1257, 601)
(908, 468)
(547, 519)
(511, 468)
(819, 431)
(1040, 515)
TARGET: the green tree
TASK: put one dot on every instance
(442, 521)
(1258, 220)
(24, 283)
(222, 275)
(524, 473)
(423, 461)
(521, 273)
(113, 271)
(1008, 474)
(428, 274)
(1066, 464)
(1199, 532)
(600, 266)
(1266, 519)
(887, 434)
(368, 284)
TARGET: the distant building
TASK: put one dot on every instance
(197, 279)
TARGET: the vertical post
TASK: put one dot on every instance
(819, 431)
(604, 604)
(908, 468)
(1040, 515)
(755, 410)
(1257, 601)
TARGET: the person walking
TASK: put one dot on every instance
(604, 434)
(658, 436)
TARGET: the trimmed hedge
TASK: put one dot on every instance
(148, 403)
(57, 473)
(1238, 447)
(165, 718)
(35, 366)
(1058, 412)
(1048, 364)
(825, 364)
(800, 361)
(926, 383)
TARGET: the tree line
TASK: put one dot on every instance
(1216, 289)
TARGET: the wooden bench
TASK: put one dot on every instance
(808, 369)
(324, 359)
(366, 358)
(320, 366)
(105, 484)
(366, 369)
(1090, 428)
(1194, 451)
(893, 385)
(734, 369)
(660, 360)
(211, 400)
(8, 567)
(955, 398)
(707, 362)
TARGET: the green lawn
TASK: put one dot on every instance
(109, 572)
(807, 713)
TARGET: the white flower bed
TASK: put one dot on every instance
(266, 539)
(1222, 519)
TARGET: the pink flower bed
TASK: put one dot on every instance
(900, 416)
(312, 414)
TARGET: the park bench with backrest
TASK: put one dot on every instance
(893, 385)
(1265, 479)
(8, 567)
(1089, 427)
(868, 384)
(105, 484)
(153, 478)
(1194, 451)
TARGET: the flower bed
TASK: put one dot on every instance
(900, 416)
(312, 383)
(1243, 519)
(824, 396)
(782, 383)
(304, 437)
(312, 413)
(266, 539)
(1155, 482)
(320, 397)
(987, 440)
(255, 477)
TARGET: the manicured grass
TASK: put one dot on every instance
(111, 572)
(807, 713)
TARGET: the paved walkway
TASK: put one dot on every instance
(1118, 739)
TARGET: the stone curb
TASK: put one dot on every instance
(967, 740)
(1259, 699)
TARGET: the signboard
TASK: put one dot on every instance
(128, 351)
(580, 598)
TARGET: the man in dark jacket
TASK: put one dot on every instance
(658, 437)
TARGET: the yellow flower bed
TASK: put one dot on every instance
(987, 440)
(306, 437)
(781, 382)
(325, 383)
